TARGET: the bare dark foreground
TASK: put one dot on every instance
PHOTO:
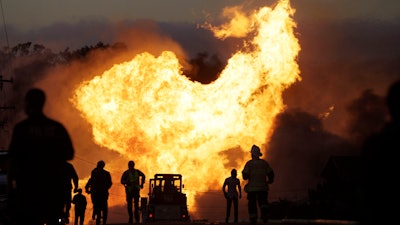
(272, 222)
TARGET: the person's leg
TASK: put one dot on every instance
(228, 209)
(105, 210)
(136, 198)
(97, 207)
(129, 202)
(101, 208)
(252, 206)
(263, 204)
(94, 213)
(67, 207)
(98, 219)
(82, 217)
(76, 219)
(235, 209)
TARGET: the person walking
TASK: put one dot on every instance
(133, 180)
(38, 150)
(259, 175)
(97, 186)
(71, 177)
(232, 192)
(80, 202)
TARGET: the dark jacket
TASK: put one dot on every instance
(99, 182)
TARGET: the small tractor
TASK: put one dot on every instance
(166, 201)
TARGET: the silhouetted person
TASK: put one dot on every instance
(232, 195)
(133, 180)
(71, 177)
(80, 202)
(97, 186)
(169, 186)
(379, 167)
(38, 149)
(259, 174)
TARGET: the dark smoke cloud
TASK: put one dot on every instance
(366, 115)
(340, 60)
(299, 149)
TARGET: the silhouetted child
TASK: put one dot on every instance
(80, 203)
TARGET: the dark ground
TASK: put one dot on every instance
(272, 222)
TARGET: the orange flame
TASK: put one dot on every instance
(147, 110)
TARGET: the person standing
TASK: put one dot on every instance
(232, 195)
(38, 149)
(133, 180)
(97, 186)
(259, 175)
(80, 202)
(71, 177)
(379, 160)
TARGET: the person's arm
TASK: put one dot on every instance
(109, 180)
(143, 179)
(88, 186)
(271, 176)
(240, 189)
(123, 179)
(246, 172)
(75, 178)
(224, 188)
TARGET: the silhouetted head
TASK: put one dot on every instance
(393, 100)
(234, 172)
(101, 164)
(131, 164)
(34, 101)
(255, 151)
(79, 190)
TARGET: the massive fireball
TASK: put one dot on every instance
(147, 110)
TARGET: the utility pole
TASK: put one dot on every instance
(4, 132)
(4, 108)
(2, 81)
